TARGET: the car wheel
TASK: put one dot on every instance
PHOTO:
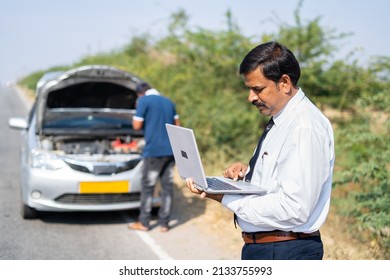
(28, 212)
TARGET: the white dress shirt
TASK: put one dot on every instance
(295, 167)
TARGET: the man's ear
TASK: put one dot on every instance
(285, 84)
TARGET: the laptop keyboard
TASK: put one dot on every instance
(216, 184)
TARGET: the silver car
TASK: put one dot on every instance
(79, 151)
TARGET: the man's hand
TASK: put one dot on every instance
(236, 171)
(193, 189)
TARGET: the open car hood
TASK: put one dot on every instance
(89, 99)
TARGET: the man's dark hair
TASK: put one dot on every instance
(142, 87)
(274, 60)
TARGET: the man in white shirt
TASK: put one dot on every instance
(294, 163)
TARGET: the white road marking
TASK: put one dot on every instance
(152, 244)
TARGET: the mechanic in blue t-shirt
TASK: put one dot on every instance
(153, 112)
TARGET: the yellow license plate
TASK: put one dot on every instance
(105, 187)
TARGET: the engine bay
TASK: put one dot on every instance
(124, 145)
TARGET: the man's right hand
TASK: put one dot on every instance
(236, 171)
(193, 189)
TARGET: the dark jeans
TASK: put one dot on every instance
(310, 248)
(154, 169)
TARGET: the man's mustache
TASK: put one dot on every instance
(257, 103)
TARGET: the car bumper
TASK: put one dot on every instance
(64, 190)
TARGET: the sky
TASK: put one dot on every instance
(36, 35)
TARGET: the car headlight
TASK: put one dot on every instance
(45, 160)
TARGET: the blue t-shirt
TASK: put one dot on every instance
(155, 111)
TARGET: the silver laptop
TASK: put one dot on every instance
(189, 165)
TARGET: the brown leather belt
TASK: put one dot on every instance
(275, 236)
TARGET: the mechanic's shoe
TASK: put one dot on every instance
(164, 228)
(138, 226)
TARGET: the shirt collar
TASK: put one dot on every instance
(289, 107)
(152, 91)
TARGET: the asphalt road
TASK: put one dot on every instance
(85, 235)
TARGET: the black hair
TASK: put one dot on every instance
(274, 60)
(142, 87)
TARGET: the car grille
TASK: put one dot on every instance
(95, 199)
(102, 169)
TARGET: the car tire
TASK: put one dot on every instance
(29, 213)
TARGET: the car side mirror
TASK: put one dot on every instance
(18, 123)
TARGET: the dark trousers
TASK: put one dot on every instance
(154, 169)
(310, 248)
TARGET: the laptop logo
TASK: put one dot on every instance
(184, 154)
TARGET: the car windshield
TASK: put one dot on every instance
(90, 121)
